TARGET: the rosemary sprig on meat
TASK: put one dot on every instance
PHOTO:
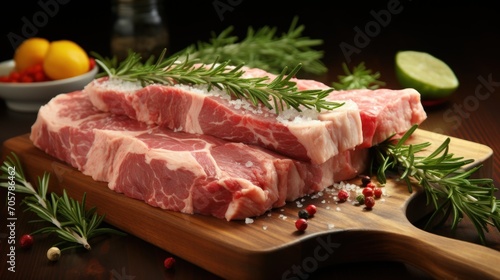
(279, 94)
(69, 218)
(262, 48)
(446, 183)
(358, 77)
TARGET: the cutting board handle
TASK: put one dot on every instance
(440, 257)
(447, 258)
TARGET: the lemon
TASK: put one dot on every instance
(65, 59)
(427, 74)
(30, 52)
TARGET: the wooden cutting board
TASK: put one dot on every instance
(270, 247)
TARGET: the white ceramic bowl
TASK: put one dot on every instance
(28, 97)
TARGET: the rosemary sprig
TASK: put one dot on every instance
(278, 94)
(262, 49)
(359, 77)
(446, 183)
(69, 219)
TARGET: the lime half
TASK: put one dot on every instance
(429, 75)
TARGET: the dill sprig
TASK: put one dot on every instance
(447, 184)
(262, 48)
(359, 77)
(279, 94)
(69, 218)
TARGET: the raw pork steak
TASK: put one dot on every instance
(309, 136)
(384, 112)
(178, 171)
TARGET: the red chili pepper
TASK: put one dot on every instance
(27, 79)
(31, 74)
(91, 63)
(14, 76)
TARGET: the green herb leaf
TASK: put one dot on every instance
(69, 219)
(358, 78)
(446, 183)
(278, 94)
(261, 48)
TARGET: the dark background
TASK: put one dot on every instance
(452, 31)
(466, 36)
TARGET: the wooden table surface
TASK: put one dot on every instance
(471, 114)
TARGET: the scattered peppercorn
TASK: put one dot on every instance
(343, 195)
(303, 214)
(169, 263)
(377, 192)
(360, 199)
(371, 185)
(53, 254)
(26, 241)
(369, 202)
(364, 180)
(367, 192)
(301, 224)
(311, 209)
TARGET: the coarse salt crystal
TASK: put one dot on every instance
(119, 84)
(286, 116)
(248, 220)
(294, 116)
(248, 164)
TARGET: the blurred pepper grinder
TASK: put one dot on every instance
(139, 26)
